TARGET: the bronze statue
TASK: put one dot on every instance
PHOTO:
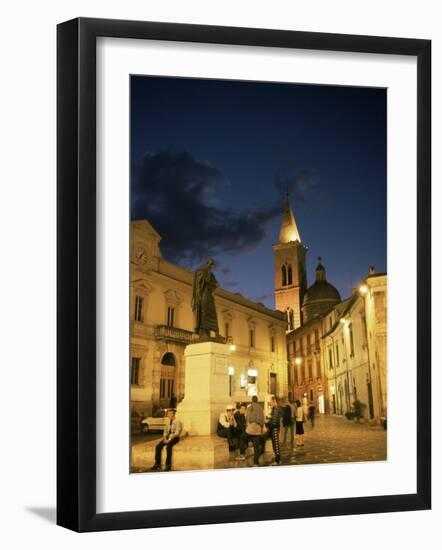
(203, 302)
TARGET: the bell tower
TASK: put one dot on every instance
(290, 269)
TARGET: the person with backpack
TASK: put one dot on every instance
(254, 432)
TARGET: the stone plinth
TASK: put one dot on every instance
(207, 393)
(207, 387)
(191, 453)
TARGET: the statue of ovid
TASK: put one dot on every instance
(203, 302)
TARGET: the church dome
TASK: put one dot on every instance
(320, 297)
(320, 291)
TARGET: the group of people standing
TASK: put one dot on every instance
(244, 424)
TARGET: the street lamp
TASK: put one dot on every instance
(363, 289)
(231, 344)
(231, 371)
(298, 360)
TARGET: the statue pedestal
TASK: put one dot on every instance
(206, 387)
(206, 396)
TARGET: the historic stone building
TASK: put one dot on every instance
(354, 350)
(314, 347)
(336, 349)
(307, 377)
(304, 308)
(162, 326)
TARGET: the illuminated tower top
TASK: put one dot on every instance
(289, 230)
(290, 269)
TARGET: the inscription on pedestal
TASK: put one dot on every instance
(220, 365)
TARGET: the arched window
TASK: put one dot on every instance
(289, 275)
(167, 379)
(291, 320)
(168, 359)
(284, 275)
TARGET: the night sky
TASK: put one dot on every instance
(211, 161)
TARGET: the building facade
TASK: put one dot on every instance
(304, 308)
(354, 351)
(307, 375)
(336, 350)
(162, 325)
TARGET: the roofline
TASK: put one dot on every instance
(236, 298)
(351, 301)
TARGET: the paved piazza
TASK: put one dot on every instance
(333, 439)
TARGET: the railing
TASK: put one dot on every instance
(173, 333)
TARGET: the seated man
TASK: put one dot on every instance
(171, 436)
(227, 426)
(241, 422)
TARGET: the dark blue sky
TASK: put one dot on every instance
(211, 161)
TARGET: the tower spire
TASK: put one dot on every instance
(289, 230)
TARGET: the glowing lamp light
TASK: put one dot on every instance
(298, 360)
(363, 289)
(229, 341)
(342, 321)
(231, 371)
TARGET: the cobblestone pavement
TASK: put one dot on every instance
(333, 439)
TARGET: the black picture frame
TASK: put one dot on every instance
(76, 273)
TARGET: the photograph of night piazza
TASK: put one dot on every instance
(258, 274)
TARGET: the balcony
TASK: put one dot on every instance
(173, 334)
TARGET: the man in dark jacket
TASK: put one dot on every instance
(287, 423)
(274, 426)
(311, 413)
(240, 417)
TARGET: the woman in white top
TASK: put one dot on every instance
(300, 417)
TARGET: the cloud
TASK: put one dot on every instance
(175, 192)
(299, 184)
